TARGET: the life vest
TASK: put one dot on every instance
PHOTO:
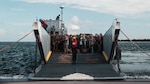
(74, 43)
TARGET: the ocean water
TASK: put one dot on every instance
(135, 63)
(18, 62)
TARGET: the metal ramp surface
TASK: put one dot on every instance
(58, 71)
(85, 58)
(92, 65)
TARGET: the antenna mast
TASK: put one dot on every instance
(62, 7)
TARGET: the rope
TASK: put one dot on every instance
(14, 43)
(135, 44)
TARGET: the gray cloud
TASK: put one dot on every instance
(118, 8)
(2, 32)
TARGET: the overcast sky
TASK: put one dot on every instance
(80, 16)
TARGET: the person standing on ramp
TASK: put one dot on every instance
(74, 49)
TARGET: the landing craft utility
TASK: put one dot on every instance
(94, 56)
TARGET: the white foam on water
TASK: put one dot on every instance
(138, 77)
(134, 68)
(77, 76)
(13, 77)
(135, 58)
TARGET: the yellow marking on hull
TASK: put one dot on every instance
(105, 55)
(48, 56)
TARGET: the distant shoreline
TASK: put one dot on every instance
(135, 40)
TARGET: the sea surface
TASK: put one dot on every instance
(135, 63)
(18, 61)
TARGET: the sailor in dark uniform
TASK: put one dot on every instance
(58, 17)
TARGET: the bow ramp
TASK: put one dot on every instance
(88, 67)
(97, 65)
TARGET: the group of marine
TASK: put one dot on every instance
(86, 43)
